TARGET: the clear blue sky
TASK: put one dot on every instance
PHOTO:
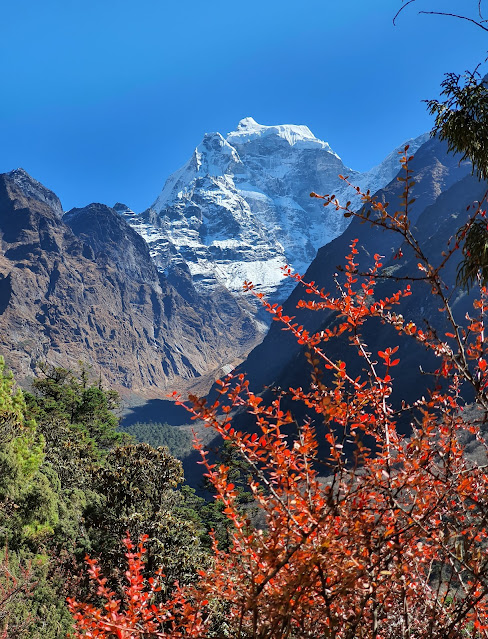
(102, 99)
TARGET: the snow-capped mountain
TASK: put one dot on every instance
(240, 208)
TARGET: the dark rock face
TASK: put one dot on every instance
(84, 288)
(113, 241)
(33, 189)
(443, 190)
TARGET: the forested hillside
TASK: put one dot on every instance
(72, 484)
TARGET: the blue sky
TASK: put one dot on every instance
(102, 100)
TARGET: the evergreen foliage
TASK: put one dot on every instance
(138, 485)
(30, 504)
(177, 440)
(474, 266)
(462, 120)
(72, 483)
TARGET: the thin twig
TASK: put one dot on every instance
(454, 15)
(401, 9)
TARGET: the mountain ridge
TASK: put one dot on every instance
(152, 321)
(90, 292)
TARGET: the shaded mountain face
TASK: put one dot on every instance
(113, 241)
(240, 208)
(33, 189)
(84, 288)
(443, 190)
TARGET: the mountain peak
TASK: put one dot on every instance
(123, 209)
(216, 143)
(19, 173)
(247, 123)
(34, 189)
(297, 135)
(214, 156)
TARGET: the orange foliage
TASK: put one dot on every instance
(136, 614)
(384, 545)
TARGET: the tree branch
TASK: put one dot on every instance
(478, 23)
(452, 15)
(401, 9)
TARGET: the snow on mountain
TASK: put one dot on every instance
(240, 208)
(296, 135)
(380, 175)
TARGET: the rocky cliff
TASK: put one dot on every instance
(83, 287)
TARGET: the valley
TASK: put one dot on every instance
(154, 301)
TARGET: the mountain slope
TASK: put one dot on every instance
(278, 359)
(90, 292)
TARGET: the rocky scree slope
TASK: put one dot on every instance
(83, 287)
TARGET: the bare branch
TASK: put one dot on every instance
(401, 9)
(442, 13)
(452, 15)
